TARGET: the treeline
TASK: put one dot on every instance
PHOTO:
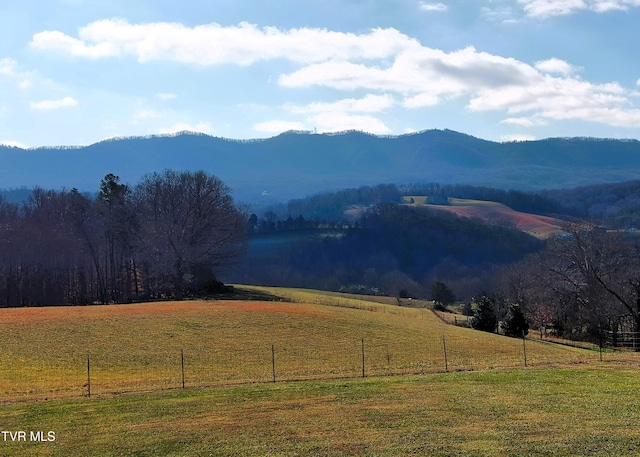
(581, 284)
(334, 206)
(615, 205)
(527, 202)
(331, 206)
(165, 237)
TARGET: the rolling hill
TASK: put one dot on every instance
(496, 213)
(295, 164)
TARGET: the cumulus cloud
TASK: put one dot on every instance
(554, 65)
(48, 105)
(212, 44)
(325, 122)
(200, 127)
(278, 126)
(427, 6)
(548, 8)
(341, 115)
(393, 68)
(368, 104)
(524, 121)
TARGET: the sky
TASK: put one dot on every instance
(75, 72)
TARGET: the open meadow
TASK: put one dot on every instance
(197, 378)
(290, 334)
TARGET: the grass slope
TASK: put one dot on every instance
(49, 352)
(496, 213)
(536, 412)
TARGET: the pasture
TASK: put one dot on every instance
(461, 392)
(537, 412)
(541, 227)
(75, 351)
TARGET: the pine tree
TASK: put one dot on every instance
(515, 324)
(485, 316)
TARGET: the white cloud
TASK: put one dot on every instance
(368, 104)
(278, 126)
(503, 14)
(346, 114)
(425, 76)
(165, 96)
(47, 105)
(549, 8)
(200, 127)
(525, 121)
(554, 65)
(395, 69)
(326, 122)
(15, 144)
(9, 67)
(214, 44)
(516, 137)
(426, 6)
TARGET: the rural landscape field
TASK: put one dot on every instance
(429, 388)
(322, 228)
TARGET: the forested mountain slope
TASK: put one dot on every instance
(296, 164)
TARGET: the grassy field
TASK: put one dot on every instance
(565, 402)
(542, 227)
(537, 412)
(69, 351)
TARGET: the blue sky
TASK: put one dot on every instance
(74, 72)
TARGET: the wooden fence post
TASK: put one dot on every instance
(182, 364)
(88, 375)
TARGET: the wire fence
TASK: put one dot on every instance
(55, 373)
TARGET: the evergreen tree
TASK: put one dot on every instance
(515, 324)
(485, 316)
(441, 294)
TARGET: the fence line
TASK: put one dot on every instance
(131, 371)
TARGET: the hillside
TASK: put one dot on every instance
(314, 335)
(295, 164)
(542, 227)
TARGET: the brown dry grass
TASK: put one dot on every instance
(44, 351)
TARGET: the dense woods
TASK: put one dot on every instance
(392, 248)
(164, 237)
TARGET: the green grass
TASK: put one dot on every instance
(567, 412)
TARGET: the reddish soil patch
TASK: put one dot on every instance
(533, 224)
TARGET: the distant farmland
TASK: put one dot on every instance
(496, 213)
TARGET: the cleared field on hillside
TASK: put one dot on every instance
(48, 352)
(496, 213)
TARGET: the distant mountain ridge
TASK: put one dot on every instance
(295, 164)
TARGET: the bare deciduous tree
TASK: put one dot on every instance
(189, 227)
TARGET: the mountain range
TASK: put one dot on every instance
(296, 164)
